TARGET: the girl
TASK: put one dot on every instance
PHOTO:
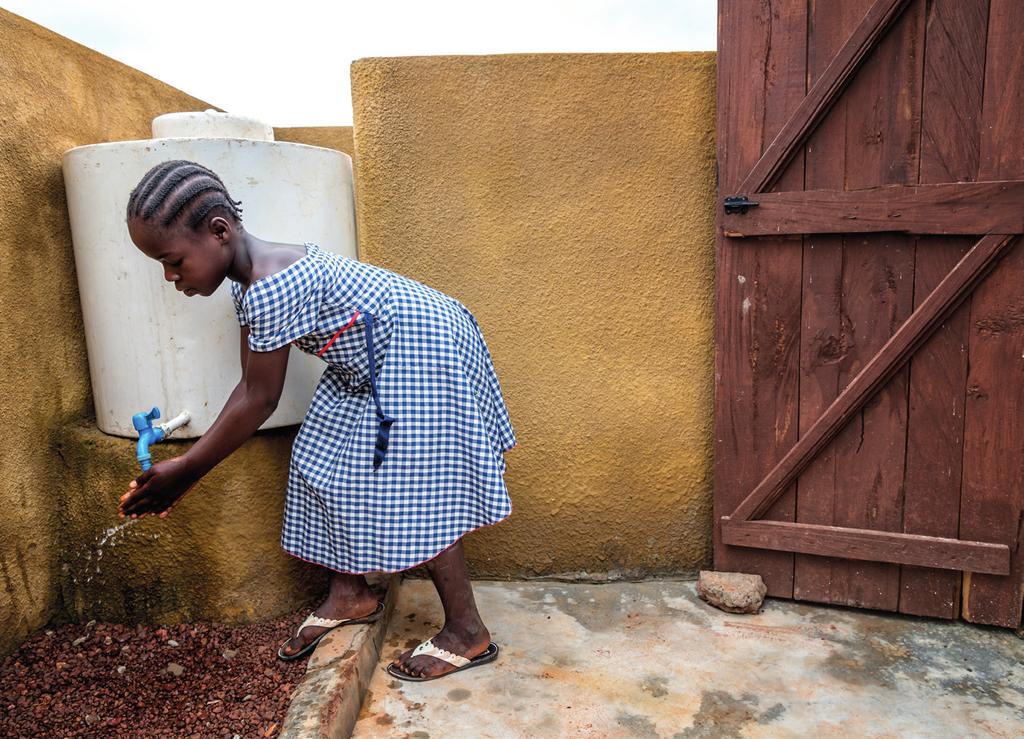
(400, 452)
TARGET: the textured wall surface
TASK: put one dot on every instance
(329, 137)
(567, 200)
(59, 484)
(216, 557)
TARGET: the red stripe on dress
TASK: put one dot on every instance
(337, 333)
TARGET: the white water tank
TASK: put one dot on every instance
(147, 343)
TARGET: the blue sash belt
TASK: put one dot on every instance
(384, 428)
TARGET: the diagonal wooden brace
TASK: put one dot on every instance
(879, 18)
(956, 286)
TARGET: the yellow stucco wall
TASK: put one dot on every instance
(216, 557)
(60, 480)
(329, 137)
(567, 200)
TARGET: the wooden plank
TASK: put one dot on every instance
(908, 337)
(869, 545)
(874, 286)
(882, 144)
(822, 94)
(954, 80)
(825, 330)
(950, 140)
(935, 427)
(992, 503)
(761, 81)
(950, 208)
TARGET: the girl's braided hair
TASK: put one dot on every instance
(180, 188)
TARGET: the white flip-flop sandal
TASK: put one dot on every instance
(327, 623)
(457, 660)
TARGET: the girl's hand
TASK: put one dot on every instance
(157, 489)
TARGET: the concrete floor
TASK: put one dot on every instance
(652, 660)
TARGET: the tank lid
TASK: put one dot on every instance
(210, 124)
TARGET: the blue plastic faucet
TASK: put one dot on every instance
(143, 423)
(150, 434)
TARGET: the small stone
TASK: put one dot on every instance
(107, 641)
(733, 592)
(121, 669)
(248, 697)
(172, 643)
(91, 719)
(49, 632)
(79, 640)
(89, 626)
(125, 648)
(175, 669)
(230, 653)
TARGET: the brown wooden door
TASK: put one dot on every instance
(869, 406)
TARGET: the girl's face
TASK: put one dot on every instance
(196, 262)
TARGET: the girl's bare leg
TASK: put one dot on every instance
(464, 632)
(350, 597)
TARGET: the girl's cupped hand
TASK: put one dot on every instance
(157, 489)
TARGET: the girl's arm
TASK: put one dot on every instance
(249, 405)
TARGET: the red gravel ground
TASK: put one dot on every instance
(232, 683)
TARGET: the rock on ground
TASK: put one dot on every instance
(734, 592)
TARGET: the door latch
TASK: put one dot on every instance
(738, 204)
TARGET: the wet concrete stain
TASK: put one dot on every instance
(772, 714)
(458, 694)
(639, 726)
(564, 660)
(689, 607)
(884, 650)
(973, 667)
(724, 715)
(508, 686)
(603, 609)
(656, 685)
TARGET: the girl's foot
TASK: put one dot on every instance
(336, 607)
(467, 642)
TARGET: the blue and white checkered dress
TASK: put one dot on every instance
(441, 474)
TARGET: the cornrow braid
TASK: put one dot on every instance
(179, 187)
(145, 187)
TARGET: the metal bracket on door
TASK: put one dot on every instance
(738, 204)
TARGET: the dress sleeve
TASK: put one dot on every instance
(281, 309)
(236, 298)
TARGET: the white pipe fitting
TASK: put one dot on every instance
(175, 423)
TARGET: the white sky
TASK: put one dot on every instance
(287, 63)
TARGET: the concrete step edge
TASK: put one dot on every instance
(327, 700)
